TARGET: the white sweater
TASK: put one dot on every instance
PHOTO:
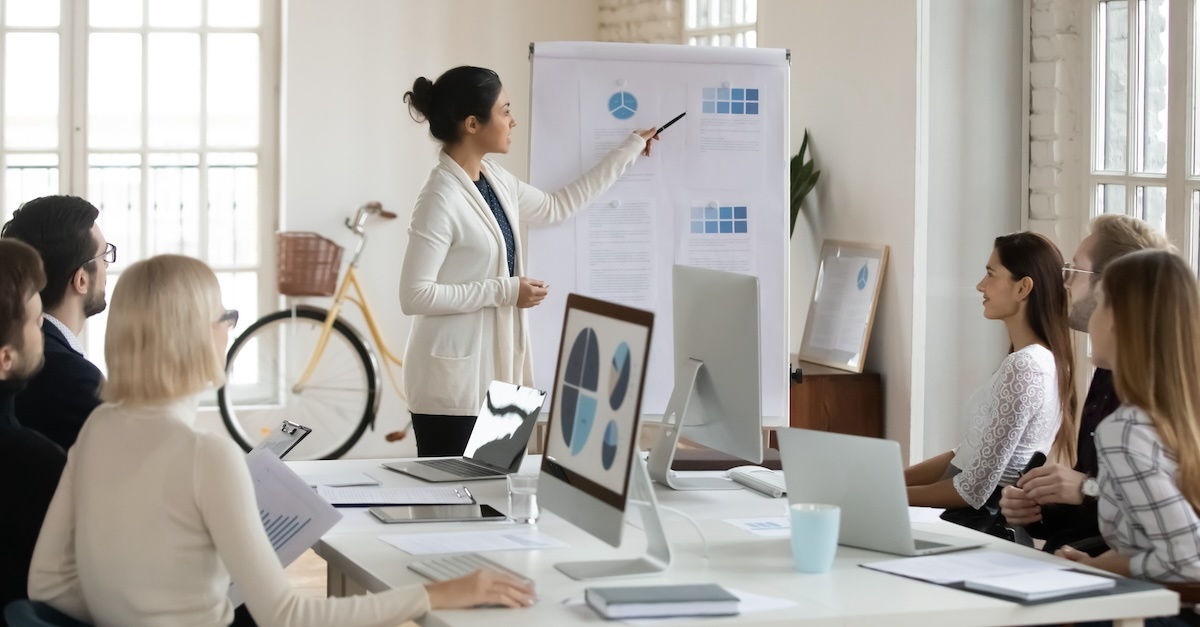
(467, 329)
(150, 520)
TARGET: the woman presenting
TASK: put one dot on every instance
(463, 278)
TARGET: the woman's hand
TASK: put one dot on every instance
(482, 587)
(1110, 560)
(1018, 508)
(650, 135)
(1053, 483)
(531, 292)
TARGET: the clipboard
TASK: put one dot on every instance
(285, 439)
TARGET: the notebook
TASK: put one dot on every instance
(1041, 585)
(662, 601)
(498, 441)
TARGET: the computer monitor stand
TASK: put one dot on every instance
(662, 454)
(658, 550)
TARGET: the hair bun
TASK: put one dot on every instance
(420, 99)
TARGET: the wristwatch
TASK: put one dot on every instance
(1090, 488)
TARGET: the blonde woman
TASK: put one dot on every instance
(153, 518)
(1146, 329)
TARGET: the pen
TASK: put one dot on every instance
(668, 124)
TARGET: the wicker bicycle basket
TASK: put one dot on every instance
(308, 264)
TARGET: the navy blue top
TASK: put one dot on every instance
(510, 245)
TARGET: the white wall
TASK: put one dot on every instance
(854, 71)
(348, 137)
(914, 113)
(974, 194)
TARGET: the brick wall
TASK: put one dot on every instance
(642, 21)
(1056, 119)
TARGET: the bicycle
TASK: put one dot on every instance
(307, 364)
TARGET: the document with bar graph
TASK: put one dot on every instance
(292, 513)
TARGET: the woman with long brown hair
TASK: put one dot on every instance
(1028, 405)
(1146, 329)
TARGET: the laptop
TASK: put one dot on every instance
(498, 441)
(865, 477)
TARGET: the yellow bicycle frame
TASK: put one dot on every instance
(358, 298)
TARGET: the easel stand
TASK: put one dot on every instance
(658, 551)
(683, 399)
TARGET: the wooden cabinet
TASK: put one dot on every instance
(826, 399)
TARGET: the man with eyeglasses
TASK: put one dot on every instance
(1057, 502)
(76, 256)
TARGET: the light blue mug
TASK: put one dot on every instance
(814, 536)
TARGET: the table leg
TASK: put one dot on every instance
(1129, 622)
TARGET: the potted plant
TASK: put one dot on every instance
(804, 178)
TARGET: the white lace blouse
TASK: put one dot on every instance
(1013, 415)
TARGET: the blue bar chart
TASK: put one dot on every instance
(281, 528)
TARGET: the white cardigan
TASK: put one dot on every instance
(467, 329)
(150, 520)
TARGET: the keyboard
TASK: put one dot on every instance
(448, 567)
(460, 468)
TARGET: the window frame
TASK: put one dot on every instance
(73, 152)
(732, 29)
(1181, 219)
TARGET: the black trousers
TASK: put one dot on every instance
(242, 618)
(441, 436)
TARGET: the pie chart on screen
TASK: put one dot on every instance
(581, 382)
(619, 377)
(608, 448)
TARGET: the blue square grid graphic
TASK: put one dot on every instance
(729, 100)
(719, 220)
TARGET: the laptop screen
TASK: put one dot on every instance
(505, 422)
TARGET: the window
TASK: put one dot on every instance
(163, 114)
(1144, 152)
(721, 23)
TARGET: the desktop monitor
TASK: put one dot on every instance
(590, 452)
(717, 400)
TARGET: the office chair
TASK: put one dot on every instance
(26, 613)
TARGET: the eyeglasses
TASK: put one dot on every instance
(1069, 268)
(109, 255)
(230, 317)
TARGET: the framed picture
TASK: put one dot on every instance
(842, 310)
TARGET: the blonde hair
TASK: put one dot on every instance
(1118, 235)
(159, 344)
(1155, 302)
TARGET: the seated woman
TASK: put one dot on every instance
(153, 518)
(1020, 409)
(1146, 329)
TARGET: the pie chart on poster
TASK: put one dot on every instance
(580, 384)
(619, 377)
(608, 448)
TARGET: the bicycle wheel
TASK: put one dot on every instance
(338, 402)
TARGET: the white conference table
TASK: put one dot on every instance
(358, 561)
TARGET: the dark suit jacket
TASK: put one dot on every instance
(59, 398)
(31, 465)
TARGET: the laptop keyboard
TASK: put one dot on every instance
(448, 567)
(460, 468)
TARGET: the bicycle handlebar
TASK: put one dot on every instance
(359, 221)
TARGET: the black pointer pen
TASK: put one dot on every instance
(668, 124)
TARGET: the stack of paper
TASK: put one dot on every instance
(957, 567)
(366, 497)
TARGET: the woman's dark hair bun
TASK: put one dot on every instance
(459, 93)
(420, 99)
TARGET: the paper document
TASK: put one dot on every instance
(767, 527)
(847, 288)
(341, 479)
(608, 113)
(360, 497)
(516, 539)
(957, 567)
(726, 138)
(617, 251)
(717, 235)
(292, 514)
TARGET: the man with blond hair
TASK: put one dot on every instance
(30, 461)
(1057, 502)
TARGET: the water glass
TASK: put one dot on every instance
(522, 498)
(814, 536)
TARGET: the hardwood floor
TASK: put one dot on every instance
(307, 574)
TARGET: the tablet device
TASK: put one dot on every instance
(436, 513)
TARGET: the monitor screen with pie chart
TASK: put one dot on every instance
(595, 406)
